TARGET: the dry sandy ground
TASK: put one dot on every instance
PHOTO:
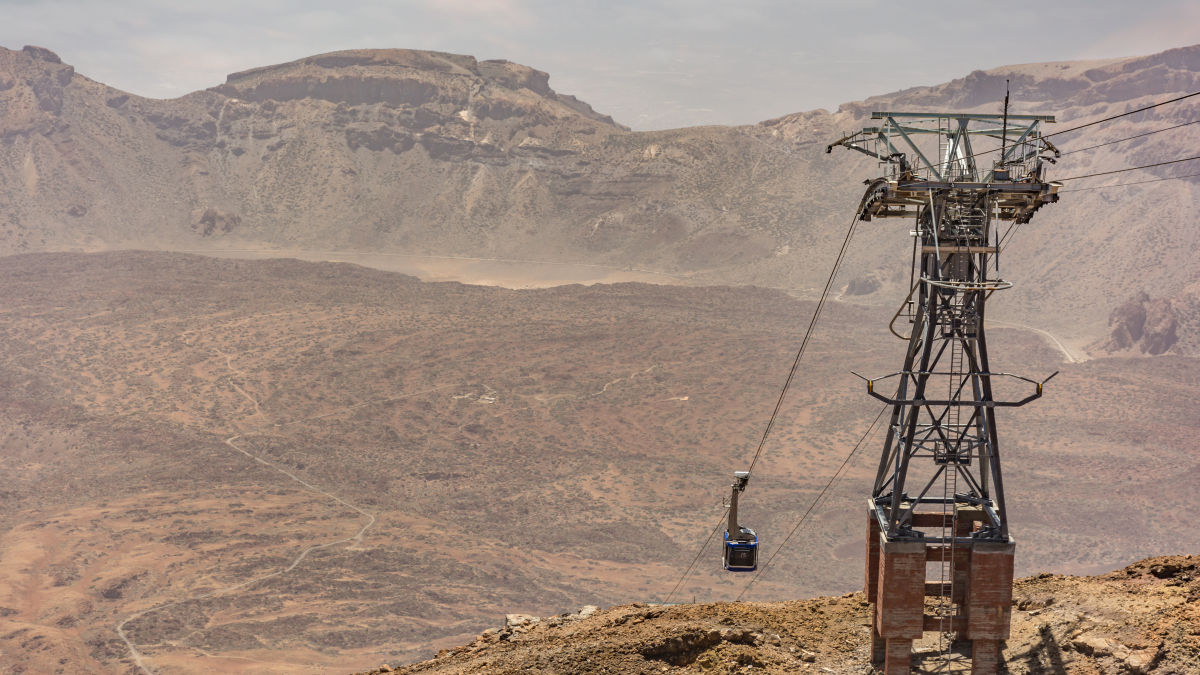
(509, 444)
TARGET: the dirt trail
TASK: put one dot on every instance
(357, 538)
(628, 378)
(139, 659)
(1068, 354)
(237, 387)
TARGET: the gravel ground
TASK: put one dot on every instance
(1142, 619)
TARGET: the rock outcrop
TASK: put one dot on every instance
(1142, 619)
(1143, 324)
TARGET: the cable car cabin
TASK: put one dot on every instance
(740, 553)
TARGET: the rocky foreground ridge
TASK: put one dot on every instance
(1142, 619)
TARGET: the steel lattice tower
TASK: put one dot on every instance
(938, 497)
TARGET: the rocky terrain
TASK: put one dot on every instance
(280, 466)
(1145, 325)
(424, 160)
(1141, 619)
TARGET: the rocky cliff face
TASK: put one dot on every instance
(466, 89)
(1143, 324)
(1053, 87)
(364, 133)
(33, 93)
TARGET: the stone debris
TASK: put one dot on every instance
(1134, 660)
(586, 611)
(1143, 660)
(519, 620)
(1093, 645)
(1142, 620)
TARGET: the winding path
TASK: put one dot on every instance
(356, 538)
(1067, 353)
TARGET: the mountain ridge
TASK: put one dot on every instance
(431, 154)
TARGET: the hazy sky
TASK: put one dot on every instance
(651, 64)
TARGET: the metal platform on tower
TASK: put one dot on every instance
(937, 522)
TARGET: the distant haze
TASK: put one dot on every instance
(651, 64)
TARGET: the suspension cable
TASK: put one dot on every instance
(1113, 117)
(1136, 182)
(1127, 138)
(837, 264)
(814, 502)
(1132, 168)
(697, 556)
(1013, 227)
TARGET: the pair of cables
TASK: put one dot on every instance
(808, 333)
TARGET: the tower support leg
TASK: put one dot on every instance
(989, 602)
(871, 583)
(895, 582)
(985, 657)
(878, 647)
(900, 600)
(899, 656)
(871, 586)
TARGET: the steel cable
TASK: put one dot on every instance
(1113, 117)
(1013, 227)
(1127, 138)
(814, 503)
(1132, 168)
(697, 556)
(1136, 182)
(837, 263)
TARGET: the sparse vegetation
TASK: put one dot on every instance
(520, 444)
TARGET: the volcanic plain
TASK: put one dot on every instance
(285, 466)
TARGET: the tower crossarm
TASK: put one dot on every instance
(924, 152)
(1014, 201)
(972, 378)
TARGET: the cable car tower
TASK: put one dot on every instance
(937, 523)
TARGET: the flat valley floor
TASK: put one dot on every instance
(285, 466)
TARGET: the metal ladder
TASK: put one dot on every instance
(946, 610)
